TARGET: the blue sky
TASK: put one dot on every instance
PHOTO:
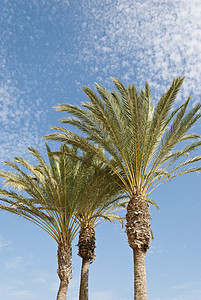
(49, 49)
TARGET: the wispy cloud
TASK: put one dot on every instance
(18, 121)
(132, 40)
(142, 40)
(22, 108)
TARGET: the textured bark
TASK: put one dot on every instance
(84, 280)
(64, 271)
(139, 234)
(138, 223)
(62, 292)
(140, 281)
(87, 245)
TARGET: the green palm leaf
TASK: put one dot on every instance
(141, 140)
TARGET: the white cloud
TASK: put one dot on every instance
(18, 121)
(157, 40)
(21, 107)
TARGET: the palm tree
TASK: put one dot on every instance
(148, 146)
(44, 195)
(101, 199)
(87, 244)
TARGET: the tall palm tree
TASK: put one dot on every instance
(101, 199)
(44, 194)
(148, 145)
(87, 239)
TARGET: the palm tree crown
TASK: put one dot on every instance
(141, 139)
(47, 200)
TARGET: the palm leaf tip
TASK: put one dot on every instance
(153, 203)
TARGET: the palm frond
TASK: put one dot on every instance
(141, 142)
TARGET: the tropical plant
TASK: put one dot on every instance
(101, 199)
(60, 197)
(44, 194)
(148, 146)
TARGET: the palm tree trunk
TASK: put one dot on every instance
(84, 280)
(87, 245)
(64, 271)
(62, 293)
(139, 234)
(140, 281)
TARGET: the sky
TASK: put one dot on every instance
(49, 49)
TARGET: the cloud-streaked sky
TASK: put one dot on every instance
(49, 49)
